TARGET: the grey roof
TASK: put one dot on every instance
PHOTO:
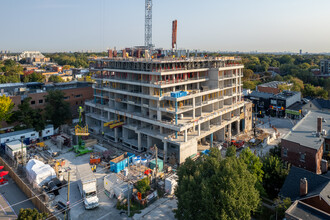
(323, 103)
(5, 85)
(261, 95)
(301, 210)
(295, 106)
(304, 131)
(273, 84)
(317, 184)
(16, 133)
(285, 94)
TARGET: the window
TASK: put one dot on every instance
(302, 157)
(41, 101)
(33, 102)
(285, 152)
(32, 135)
(67, 97)
(77, 96)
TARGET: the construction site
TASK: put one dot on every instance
(177, 104)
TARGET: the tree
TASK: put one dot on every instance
(28, 117)
(6, 106)
(143, 185)
(250, 84)
(34, 77)
(55, 79)
(31, 214)
(215, 188)
(282, 206)
(231, 151)
(275, 173)
(247, 74)
(57, 110)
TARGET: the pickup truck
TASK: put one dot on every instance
(87, 185)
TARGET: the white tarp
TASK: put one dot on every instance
(39, 173)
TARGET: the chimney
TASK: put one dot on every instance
(115, 53)
(124, 53)
(110, 53)
(303, 187)
(319, 125)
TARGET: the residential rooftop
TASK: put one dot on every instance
(317, 185)
(301, 210)
(304, 132)
(273, 84)
(285, 94)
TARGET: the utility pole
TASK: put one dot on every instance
(22, 151)
(156, 160)
(128, 196)
(68, 199)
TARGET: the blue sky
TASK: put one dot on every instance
(234, 25)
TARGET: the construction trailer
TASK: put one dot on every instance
(172, 103)
(15, 148)
(27, 135)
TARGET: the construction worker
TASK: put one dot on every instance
(102, 133)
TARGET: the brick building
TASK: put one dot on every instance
(271, 87)
(76, 93)
(304, 145)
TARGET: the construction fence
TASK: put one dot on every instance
(38, 203)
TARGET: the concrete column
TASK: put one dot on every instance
(229, 131)
(199, 129)
(194, 111)
(116, 134)
(185, 136)
(165, 151)
(238, 127)
(161, 130)
(149, 142)
(159, 115)
(139, 142)
(211, 140)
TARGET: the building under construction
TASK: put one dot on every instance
(174, 103)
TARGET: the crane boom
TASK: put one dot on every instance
(148, 24)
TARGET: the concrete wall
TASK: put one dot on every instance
(187, 149)
(293, 99)
(294, 150)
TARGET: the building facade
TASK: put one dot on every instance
(304, 145)
(171, 103)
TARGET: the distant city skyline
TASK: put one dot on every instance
(214, 25)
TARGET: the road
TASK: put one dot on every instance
(13, 194)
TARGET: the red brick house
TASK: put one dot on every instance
(304, 145)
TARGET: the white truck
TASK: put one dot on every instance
(87, 186)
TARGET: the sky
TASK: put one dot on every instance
(213, 25)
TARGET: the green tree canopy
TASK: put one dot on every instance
(31, 214)
(55, 79)
(28, 117)
(215, 188)
(6, 107)
(58, 111)
(275, 173)
(34, 77)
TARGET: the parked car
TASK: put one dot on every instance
(239, 144)
(61, 207)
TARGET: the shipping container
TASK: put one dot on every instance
(119, 163)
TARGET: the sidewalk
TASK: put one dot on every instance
(159, 210)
